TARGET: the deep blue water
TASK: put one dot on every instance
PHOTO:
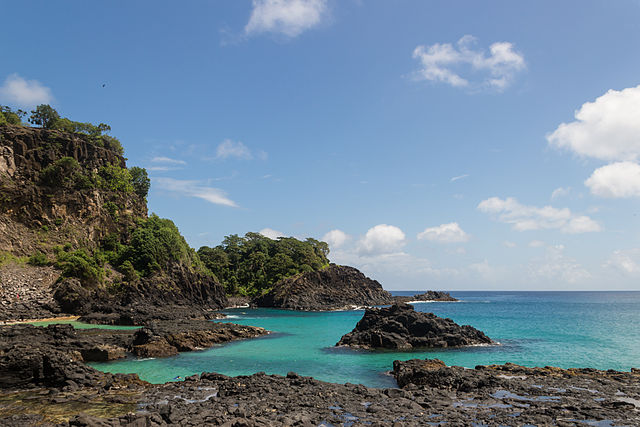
(566, 329)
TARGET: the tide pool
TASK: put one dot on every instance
(566, 329)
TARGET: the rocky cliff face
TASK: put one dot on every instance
(60, 189)
(35, 215)
(333, 288)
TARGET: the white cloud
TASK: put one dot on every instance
(509, 244)
(626, 261)
(195, 189)
(444, 62)
(335, 238)
(606, 129)
(444, 233)
(555, 265)
(288, 17)
(24, 93)
(536, 244)
(617, 180)
(560, 192)
(229, 148)
(525, 218)
(459, 177)
(271, 233)
(168, 160)
(381, 239)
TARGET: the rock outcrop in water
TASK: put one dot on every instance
(334, 288)
(400, 327)
(426, 296)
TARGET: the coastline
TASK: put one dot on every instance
(47, 319)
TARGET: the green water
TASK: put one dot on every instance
(80, 325)
(586, 329)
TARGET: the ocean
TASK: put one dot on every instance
(566, 329)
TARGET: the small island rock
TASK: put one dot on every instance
(400, 327)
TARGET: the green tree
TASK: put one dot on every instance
(7, 115)
(140, 180)
(44, 116)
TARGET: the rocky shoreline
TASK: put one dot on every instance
(432, 394)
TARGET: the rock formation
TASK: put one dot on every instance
(336, 287)
(426, 296)
(400, 327)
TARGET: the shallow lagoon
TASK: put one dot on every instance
(566, 329)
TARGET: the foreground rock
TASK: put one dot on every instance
(504, 395)
(32, 355)
(334, 288)
(427, 297)
(400, 327)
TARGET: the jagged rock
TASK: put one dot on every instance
(400, 327)
(72, 296)
(336, 287)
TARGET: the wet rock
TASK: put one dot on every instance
(400, 327)
(427, 296)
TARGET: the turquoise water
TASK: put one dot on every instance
(566, 329)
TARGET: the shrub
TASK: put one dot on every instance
(60, 172)
(115, 178)
(140, 181)
(38, 259)
(81, 265)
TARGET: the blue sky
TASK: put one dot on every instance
(435, 145)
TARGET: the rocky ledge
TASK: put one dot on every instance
(334, 288)
(400, 327)
(28, 353)
(496, 395)
(427, 296)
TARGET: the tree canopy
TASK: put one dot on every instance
(252, 264)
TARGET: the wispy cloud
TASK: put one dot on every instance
(24, 93)
(229, 148)
(525, 218)
(190, 188)
(168, 160)
(461, 65)
(459, 177)
(288, 17)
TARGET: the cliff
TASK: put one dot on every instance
(73, 224)
(333, 288)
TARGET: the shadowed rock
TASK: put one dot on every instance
(400, 327)
(336, 287)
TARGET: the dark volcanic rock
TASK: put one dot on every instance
(162, 339)
(336, 287)
(400, 327)
(427, 296)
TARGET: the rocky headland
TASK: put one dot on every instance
(400, 327)
(333, 288)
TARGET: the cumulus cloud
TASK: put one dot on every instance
(444, 233)
(335, 238)
(626, 261)
(229, 148)
(271, 233)
(288, 17)
(381, 239)
(24, 93)
(446, 63)
(525, 218)
(617, 180)
(194, 189)
(606, 129)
